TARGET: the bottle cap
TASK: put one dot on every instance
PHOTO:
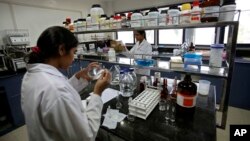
(154, 9)
(187, 77)
(131, 69)
(196, 3)
(96, 5)
(229, 2)
(217, 46)
(186, 6)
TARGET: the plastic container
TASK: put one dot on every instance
(196, 12)
(111, 22)
(145, 20)
(81, 25)
(123, 20)
(192, 59)
(173, 14)
(144, 62)
(163, 18)
(210, 10)
(102, 21)
(96, 11)
(89, 22)
(117, 22)
(185, 15)
(204, 87)
(107, 23)
(112, 55)
(216, 51)
(153, 16)
(227, 10)
(126, 85)
(136, 19)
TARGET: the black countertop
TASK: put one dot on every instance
(202, 127)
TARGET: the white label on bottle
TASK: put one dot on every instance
(186, 101)
(211, 11)
(196, 17)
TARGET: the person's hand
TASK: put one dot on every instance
(84, 72)
(102, 82)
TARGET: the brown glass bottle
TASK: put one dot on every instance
(210, 10)
(173, 93)
(142, 86)
(186, 98)
(155, 82)
(164, 91)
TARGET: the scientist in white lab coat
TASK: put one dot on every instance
(50, 102)
(142, 46)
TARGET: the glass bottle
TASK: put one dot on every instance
(186, 97)
(164, 91)
(173, 93)
(115, 74)
(133, 75)
(142, 86)
(155, 82)
(210, 10)
(126, 85)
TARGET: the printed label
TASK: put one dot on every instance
(186, 101)
(212, 11)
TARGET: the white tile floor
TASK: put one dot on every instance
(235, 116)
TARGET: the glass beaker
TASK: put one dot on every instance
(95, 73)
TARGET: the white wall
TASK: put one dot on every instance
(125, 5)
(37, 15)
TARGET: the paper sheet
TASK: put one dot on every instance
(108, 122)
(112, 116)
(109, 94)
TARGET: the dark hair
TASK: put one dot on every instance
(143, 33)
(48, 44)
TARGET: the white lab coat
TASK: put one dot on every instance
(143, 48)
(53, 109)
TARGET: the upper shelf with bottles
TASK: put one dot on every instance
(209, 14)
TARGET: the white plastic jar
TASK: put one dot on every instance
(163, 18)
(145, 20)
(107, 23)
(216, 55)
(185, 15)
(102, 21)
(173, 14)
(112, 55)
(96, 11)
(196, 12)
(136, 19)
(227, 11)
(81, 25)
(153, 16)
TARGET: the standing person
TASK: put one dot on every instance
(51, 103)
(141, 47)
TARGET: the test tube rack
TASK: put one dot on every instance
(142, 105)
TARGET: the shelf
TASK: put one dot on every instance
(165, 67)
(180, 26)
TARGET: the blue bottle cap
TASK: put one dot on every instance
(217, 46)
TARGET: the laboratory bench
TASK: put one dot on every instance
(10, 84)
(202, 127)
